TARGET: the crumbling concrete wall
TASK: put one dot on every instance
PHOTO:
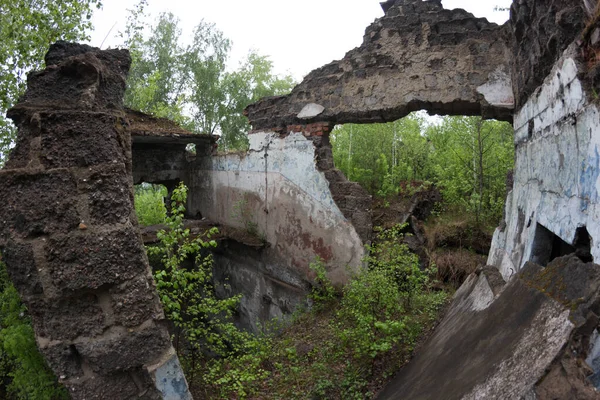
(281, 206)
(277, 192)
(418, 56)
(557, 171)
(525, 339)
(557, 125)
(69, 236)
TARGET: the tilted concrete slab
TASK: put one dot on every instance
(508, 342)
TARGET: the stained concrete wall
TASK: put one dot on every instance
(276, 192)
(284, 199)
(69, 235)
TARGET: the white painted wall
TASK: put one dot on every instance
(557, 171)
(286, 198)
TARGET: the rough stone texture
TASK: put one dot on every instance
(119, 352)
(418, 56)
(64, 359)
(68, 318)
(69, 234)
(38, 204)
(135, 302)
(541, 31)
(109, 201)
(509, 341)
(83, 260)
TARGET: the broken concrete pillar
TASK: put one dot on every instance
(69, 235)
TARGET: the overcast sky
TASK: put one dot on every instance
(298, 36)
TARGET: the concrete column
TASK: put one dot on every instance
(69, 235)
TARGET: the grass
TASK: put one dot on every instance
(309, 361)
(457, 245)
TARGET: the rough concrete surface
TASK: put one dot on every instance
(508, 346)
(276, 192)
(418, 56)
(557, 170)
(69, 234)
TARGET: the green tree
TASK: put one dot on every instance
(467, 157)
(471, 159)
(27, 28)
(155, 82)
(380, 156)
(254, 80)
(191, 84)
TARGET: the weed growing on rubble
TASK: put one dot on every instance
(213, 351)
(23, 371)
(322, 292)
(352, 340)
(345, 347)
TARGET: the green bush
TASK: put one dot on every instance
(322, 292)
(149, 204)
(330, 352)
(215, 353)
(374, 307)
(23, 371)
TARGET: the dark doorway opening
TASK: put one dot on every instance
(547, 246)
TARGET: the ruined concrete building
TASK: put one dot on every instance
(516, 330)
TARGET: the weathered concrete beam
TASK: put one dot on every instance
(69, 236)
(418, 56)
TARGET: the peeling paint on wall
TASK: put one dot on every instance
(288, 200)
(557, 168)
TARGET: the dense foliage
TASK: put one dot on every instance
(204, 335)
(27, 28)
(376, 318)
(190, 83)
(150, 204)
(466, 157)
(352, 341)
(23, 371)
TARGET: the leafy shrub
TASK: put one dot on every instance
(214, 352)
(149, 204)
(371, 319)
(322, 291)
(330, 352)
(23, 371)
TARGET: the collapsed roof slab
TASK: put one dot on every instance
(418, 56)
